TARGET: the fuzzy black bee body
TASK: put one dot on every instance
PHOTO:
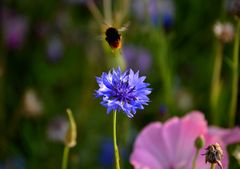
(113, 37)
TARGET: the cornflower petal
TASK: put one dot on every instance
(123, 91)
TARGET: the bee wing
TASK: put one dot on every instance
(124, 28)
(106, 24)
(100, 37)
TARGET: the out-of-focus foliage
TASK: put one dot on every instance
(51, 53)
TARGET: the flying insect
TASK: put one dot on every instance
(114, 37)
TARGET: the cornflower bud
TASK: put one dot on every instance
(71, 135)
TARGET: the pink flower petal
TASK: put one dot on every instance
(171, 145)
(142, 159)
(192, 126)
(229, 136)
(150, 148)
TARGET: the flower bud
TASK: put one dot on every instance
(214, 154)
(224, 32)
(199, 142)
(71, 135)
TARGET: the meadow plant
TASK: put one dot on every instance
(70, 138)
(235, 60)
(122, 91)
(224, 33)
(171, 144)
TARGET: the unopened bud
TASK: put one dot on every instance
(71, 135)
(214, 154)
(224, 32)
(199, 142)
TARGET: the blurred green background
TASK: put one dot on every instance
(51, 53)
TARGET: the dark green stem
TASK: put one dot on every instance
(195, 159)
(65, 157)
(233, 106)
(216, 84)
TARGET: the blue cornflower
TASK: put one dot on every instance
(123, 91)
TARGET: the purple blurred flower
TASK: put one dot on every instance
(54, 49)
(139, 10)
(171, 145)
(123, 91)
(14, 29)
(57, 129)
(233, 7)
(160, 12)
(16, 162)
(137, 58)
(163, 110)
(106, 158)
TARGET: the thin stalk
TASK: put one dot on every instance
(65, 157)
(95, 11)
(195, 159)
(116, 152)
(107, 8)
(114, 57)
(119, 59)
(122, 12)
(213, 165)
(165, 69)
(233, 106)
(216, 83)
(2, 86)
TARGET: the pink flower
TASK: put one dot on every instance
(171, 145)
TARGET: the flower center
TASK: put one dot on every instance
(123, 92)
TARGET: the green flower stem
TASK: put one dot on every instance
(165, 70)
(117, 158)
(213, 165)
(114, 57)
(119, 59)
(65, 157)
(233, 105)
(216, 83)
(195, 159)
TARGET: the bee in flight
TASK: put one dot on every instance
(113, 36)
